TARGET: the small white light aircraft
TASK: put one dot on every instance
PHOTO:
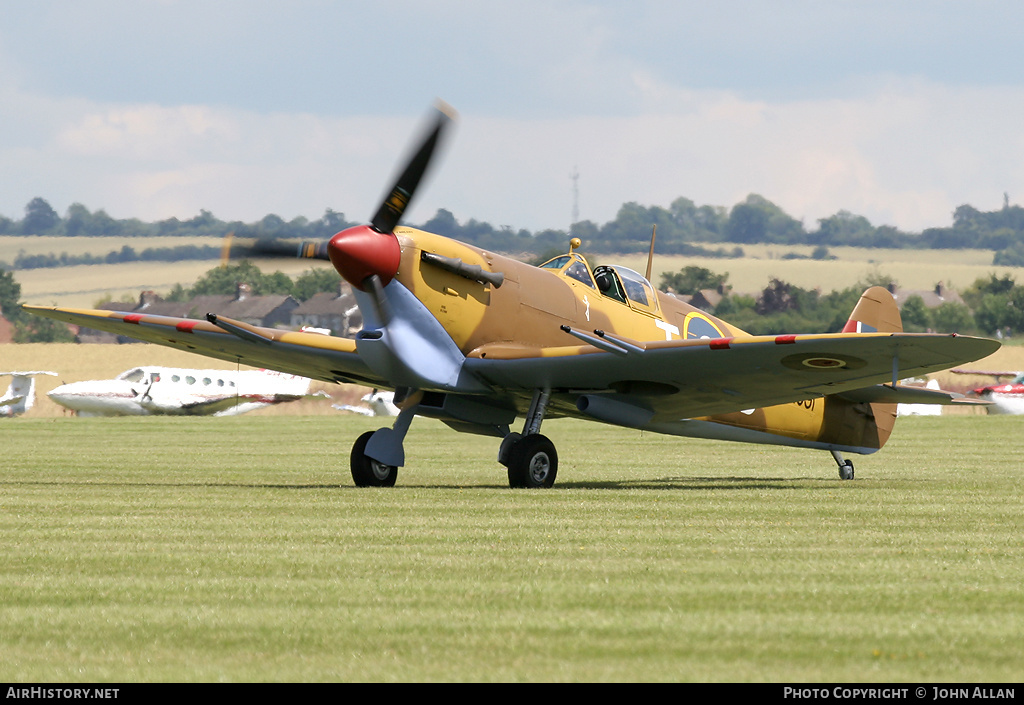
(143, 391)
(920, 409)
(21, 394)
(377, 403)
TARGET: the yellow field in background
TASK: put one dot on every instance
(85, 285)
(912, 269)
(12, 245)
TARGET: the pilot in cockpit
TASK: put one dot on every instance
(607, 284)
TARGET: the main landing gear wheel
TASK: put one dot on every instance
(367, 472)
(532, 462)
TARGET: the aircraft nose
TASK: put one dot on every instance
(66, 395)
(83, 396)
(361, 252)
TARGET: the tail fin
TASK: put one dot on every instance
(876, 312)
(21, 394)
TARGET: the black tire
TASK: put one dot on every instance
(367, 472)
(846, 470)
(533, 462)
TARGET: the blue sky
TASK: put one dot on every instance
(899, 111)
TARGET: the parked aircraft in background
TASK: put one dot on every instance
(477, 339)
(920, 409)
(21, 394)
(142, 391)
(1006, 398)
(377, 403)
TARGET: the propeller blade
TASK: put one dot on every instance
(267, 249)
(391, 210)
(367, 256)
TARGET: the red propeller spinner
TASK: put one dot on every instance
(361, 252)
(368, 250)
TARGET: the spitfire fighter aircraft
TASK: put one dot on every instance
(477, 340)
(172, 391)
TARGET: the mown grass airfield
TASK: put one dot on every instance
(236, 549)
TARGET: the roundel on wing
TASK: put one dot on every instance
(822, 361)
(699, 326)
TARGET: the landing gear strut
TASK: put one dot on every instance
(377, 455)
(845, 466)
(530, 457)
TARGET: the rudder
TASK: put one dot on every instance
(875, 312)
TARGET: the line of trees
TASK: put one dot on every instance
(683, 228)
(27, 328)
(223, 280)
(125, 254)
(41, 219)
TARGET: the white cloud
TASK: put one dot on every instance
(147, 132)
(905, 153)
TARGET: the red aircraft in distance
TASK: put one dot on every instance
(1005, 398)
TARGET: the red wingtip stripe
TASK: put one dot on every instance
(135, 318)
(186, 326)
(785, 339)
(720, 343)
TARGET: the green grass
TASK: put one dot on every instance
(236, 549)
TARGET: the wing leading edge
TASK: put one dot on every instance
(312, 355)
(662, 380)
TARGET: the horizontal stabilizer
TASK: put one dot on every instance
(887, 394)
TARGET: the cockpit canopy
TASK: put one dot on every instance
(613, 281)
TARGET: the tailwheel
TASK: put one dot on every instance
(532, 462)
(846, 470)
(845, 466)
(367, 472)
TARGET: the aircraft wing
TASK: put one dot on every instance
(8, 401)
(621, 380)
(313, 355)
(361, 410)
(604, 376)
(219, 405)
(986, 373)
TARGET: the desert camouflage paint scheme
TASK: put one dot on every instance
(478, 340)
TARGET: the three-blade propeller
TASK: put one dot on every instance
(401, 341)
